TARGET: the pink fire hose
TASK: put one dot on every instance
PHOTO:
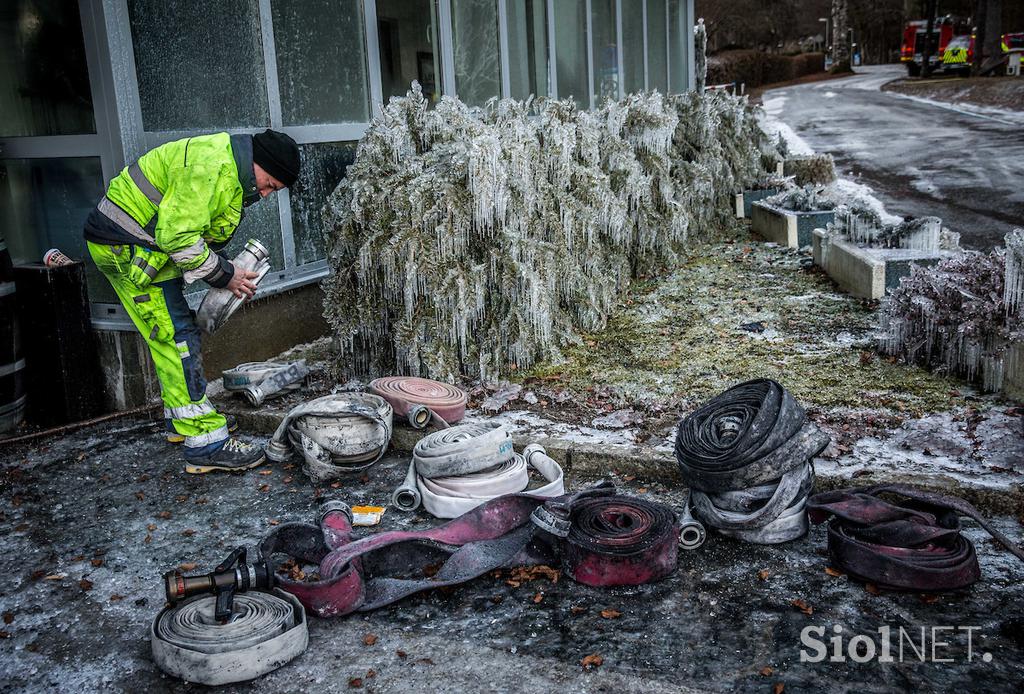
(599, 538)
(419, 398)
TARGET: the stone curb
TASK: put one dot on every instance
(591, 461)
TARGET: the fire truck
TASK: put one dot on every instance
(915, 38)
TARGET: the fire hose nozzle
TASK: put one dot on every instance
(231, 575)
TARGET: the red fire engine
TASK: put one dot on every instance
(915, 36)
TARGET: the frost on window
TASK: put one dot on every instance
(961, 315)
(321, 61)
(200, 64)
(480, 241)
(475, 38)
(323, 166)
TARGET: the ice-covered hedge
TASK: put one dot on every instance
(961, 315)
(478, 241)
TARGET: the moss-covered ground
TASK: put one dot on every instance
(737, 310)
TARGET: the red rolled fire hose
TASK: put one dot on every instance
(599, 538)
(416, 398)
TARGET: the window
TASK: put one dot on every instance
(632, 46)
(679, 36)
(199, 64)
(477, 58)
(321, 61)
(657, 67)
(527, 48)
(44, 82)
(323, 167)
(407, 36)
(606, 54)
(50, 199)
(570, 22)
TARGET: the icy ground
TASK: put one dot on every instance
(91, 521)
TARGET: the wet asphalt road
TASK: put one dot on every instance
(920, 159)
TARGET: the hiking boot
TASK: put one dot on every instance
(175, 437)
(234, 456)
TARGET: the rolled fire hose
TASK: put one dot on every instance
(746, 456)
(335, 434)
(419, 398)
(456, 469)
(600, 539)
(266, 631)
(219, 304)
(260, 381)
(913, 544)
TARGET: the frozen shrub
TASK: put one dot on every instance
(953, 317)
(479, 241)
(816, 169)
(806, 199)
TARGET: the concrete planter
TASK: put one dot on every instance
(1013, 372)
(867, 273)
(746, 199)
(787, 227)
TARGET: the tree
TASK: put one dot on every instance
(840, 37)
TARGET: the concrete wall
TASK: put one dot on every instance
(256, 332)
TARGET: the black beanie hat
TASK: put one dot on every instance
(277, 154)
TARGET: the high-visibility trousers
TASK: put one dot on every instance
(161, 314)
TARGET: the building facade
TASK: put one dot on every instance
(88, 86)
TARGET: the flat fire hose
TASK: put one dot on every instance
(598, 538)
(335, 434)
(267, 630)
(421, 399)
(746, 456)
(913, 544)
(261, 381)
(454, 470)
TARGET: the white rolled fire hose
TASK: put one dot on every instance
(266, 631)
(457, 469)
(263, 380)
(219, 304)
(335, 434)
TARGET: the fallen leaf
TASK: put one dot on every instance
(37, 574)
(369, 639)
(538, 597)
(629, 478)
(766, 671)
(832, 572)
(928, 598)
(577, 609)
(85, 584)
(151, 527)
(274, 521)
(287, 480)
(611, 614)
(802, 606)
(266, 472)
(147, 539)
(872, 588)
(763, 574)
(55, 577)
(140, 496)
(355, 682)
(181, 498)
(591, 661)
(5, 635)
(642, 490)
(188, 532)
(402, 654)
(8, 617)
(97, 562)
(778, 688)
(164, 514)
(188, 566)
(425, 661)
(264, 487)
(115, 597)
(335, 485)
(371, 673)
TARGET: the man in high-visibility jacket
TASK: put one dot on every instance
(158, 228)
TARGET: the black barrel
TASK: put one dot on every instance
(12, 358)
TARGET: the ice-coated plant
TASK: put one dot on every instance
(477, 241)
(954, 317)
(806, 199)
(814, 169)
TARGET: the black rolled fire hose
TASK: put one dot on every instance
(910, 544)
(746, 457)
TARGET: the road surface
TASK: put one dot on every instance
(964, 166)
